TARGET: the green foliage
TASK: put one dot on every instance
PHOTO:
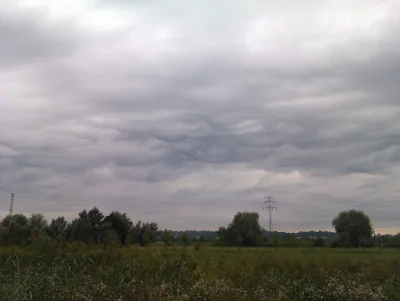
(329, 243)
(184, 239)
(344, 239)
(93, 228)
(87, 228)
(90, 227)
(202, 239)
(38, 228)
(239, 240)
(221, 235)
(120, 223)
(80, 272)
(246, 225)
(197, 246)
(395, 241)
(319, 242)
(37, 223)
(57, 228)
(352, 226)
(276, 241)
(110, 238)
(166, 237)
(144, 233)
(80, 230)
(15, 229)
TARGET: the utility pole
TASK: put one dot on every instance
(269, 205)
(11, 204)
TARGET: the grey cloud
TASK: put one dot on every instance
(32, 37)
(168, 127)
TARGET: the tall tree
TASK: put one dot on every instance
(15, 229)
(395, 241)
(185, 239)
(144, 233)
(80, 230)
(95, 217)
(239, 240)
(246, 225)
(120, 223)
(38, 227)
(221, 235)
(58, 227)
(38, 222)
(92, 219)
(319, 242)
(166, 237)
(353, 226)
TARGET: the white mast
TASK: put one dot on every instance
(11, 204)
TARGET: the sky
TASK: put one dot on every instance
(186, 112)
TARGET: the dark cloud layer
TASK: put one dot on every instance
(185, 114)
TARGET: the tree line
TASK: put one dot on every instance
(90, 227)
(353, 229)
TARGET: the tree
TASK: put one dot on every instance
(166, 237)
(344, 240)
(144, 233)
(290, 240)
(80, 230)
(110, 237)
(319, 242)
(329, 243)
(395, 241)
(239, 240)
(353, 225)
(95, 218)
(197, 246)
(246, 225)
(88, 226)
(145, 237)
(185, 239)
(305, 242)
(221, 237)
(276, 241)
(120, 223)
(57, 228)
(363, 241)
(15, 229)
(38, 227)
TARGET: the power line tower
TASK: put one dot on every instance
(270, 206)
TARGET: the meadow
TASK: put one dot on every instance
(79, 272)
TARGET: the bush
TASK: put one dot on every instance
(197, 246)
(319, 242)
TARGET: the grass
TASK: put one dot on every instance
(78, 272)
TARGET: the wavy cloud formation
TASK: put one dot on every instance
(185, 113)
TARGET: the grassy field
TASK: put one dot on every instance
(77, 272)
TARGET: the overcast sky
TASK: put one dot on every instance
(185, 112)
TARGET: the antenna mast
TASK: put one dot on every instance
(11, 204)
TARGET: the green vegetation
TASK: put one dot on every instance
(244, 230)
(354, 228)
(98, 257)
(93, 228)
(79, 272)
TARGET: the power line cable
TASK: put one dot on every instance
(306, 214)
